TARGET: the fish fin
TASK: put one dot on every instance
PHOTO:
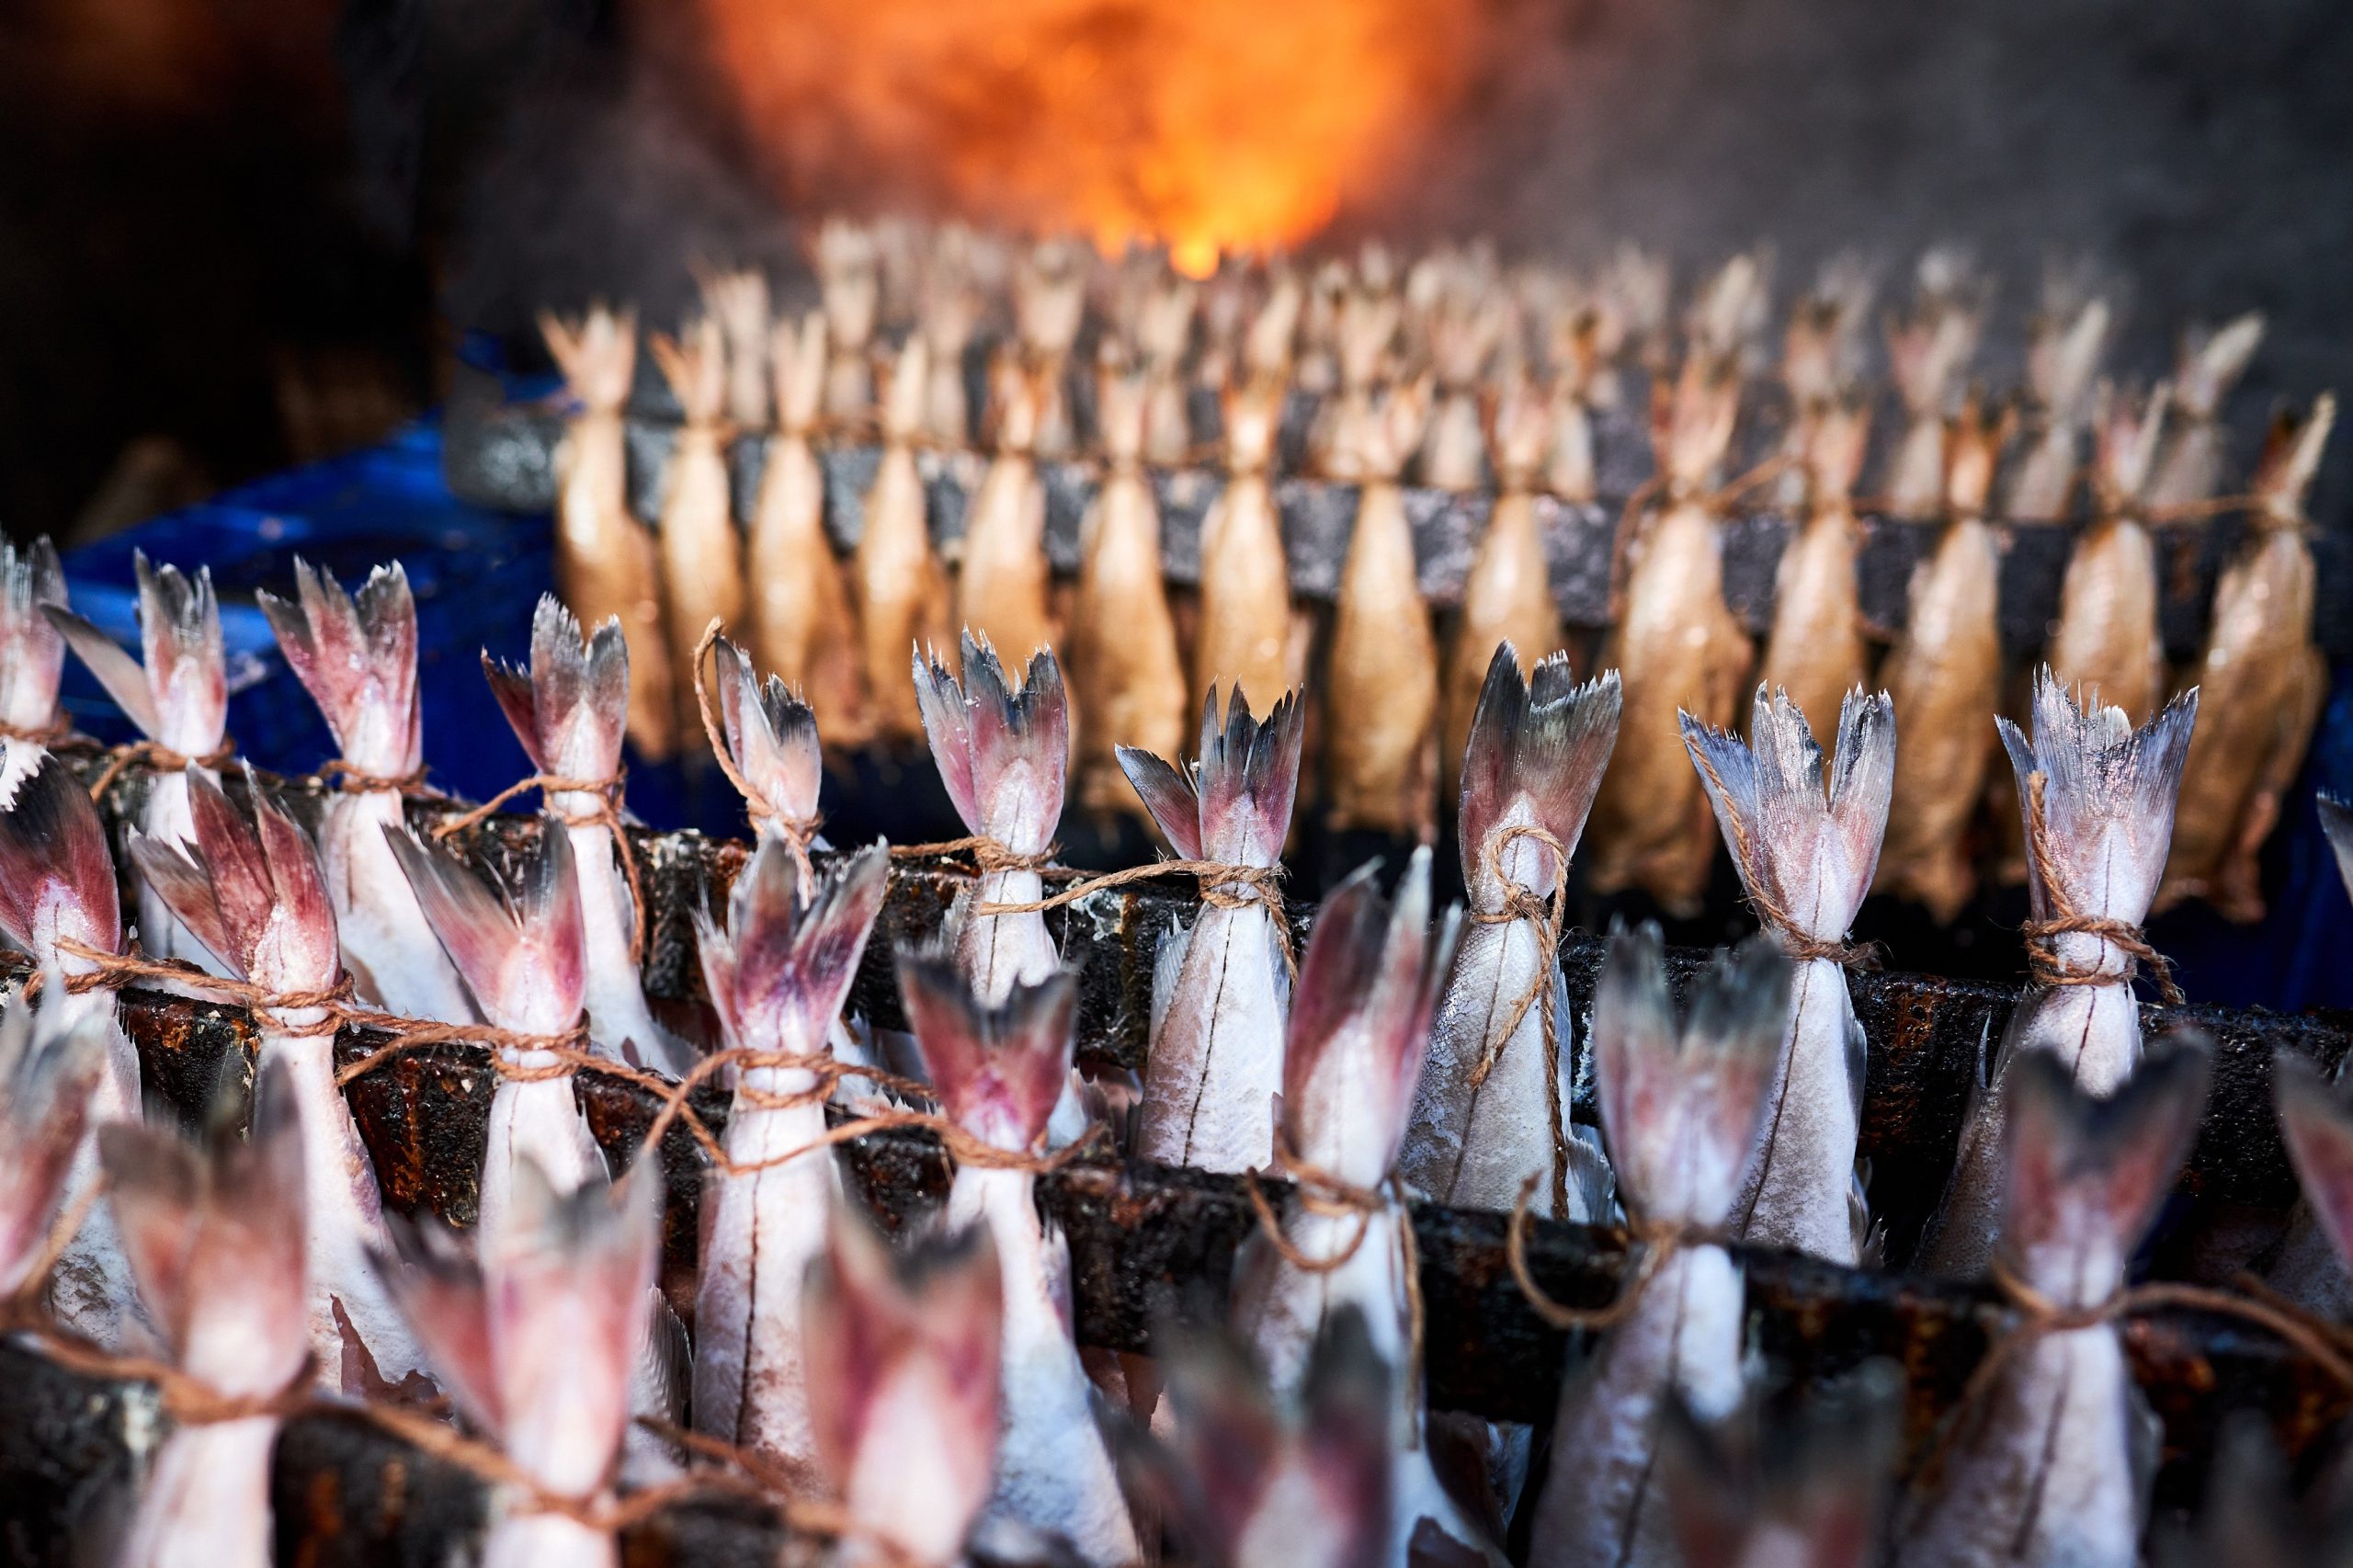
(997, 1071)
(1167, 791)
(695, 365)
(2212, 362)
(1166, 965)
(2292, 455)
(663, 1365)
(2316, 1122)
(1593, 1186)
(779, 971)
(306, 953)
(187, 668)
(1249, 777)
(2103, 780)
(116, 670)
(771, 734)
(1002, 750)
(578, 706)
(53, 1057)
(57, 876)
(1815, 1478)
(1544, 740)
(358, 660)
(521, 957)
(796, 362)
(2336, 822)
(187, 890)
(435, 1279)
(32, 649)
(2126, 428)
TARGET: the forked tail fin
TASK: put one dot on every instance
(56, 873)
(358, 660)
(997, 1071)
(1233, 804)
(570, 708)
(780, 971)
(522, 952)
(32, 649)
(1538, 749)
(252, 891)
(771, 736)
(1002, 750)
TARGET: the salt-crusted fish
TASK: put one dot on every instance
(2107, 803)
(1384, 671)
(778, 973)
(998, 1070)
(738, 302)
(1368, 987)
(2190, 470)
(2264, 683)
(1805, 1491)
(2052, 1463)
(2107, 635)
(1928, 348)
(533, 1331)
(607, 564)
(1049, 305)
(252, 890)
(1221, 993)
(1004, 581)
(1945, 676)
(900, 588)
(33, 657)
(1245, 634)
(1683, 1109)
(358, 660)
(1535, 757)
(1815, 647)
(1805, 847)
(849, 283)
(2063, 349)
(178, 694)
(702, 554)
(802, 621)
(215, 1238)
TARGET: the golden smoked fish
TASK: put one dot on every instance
(2106, 636)
(902, 589)
(1815, 650)
(2262, 680)
(802, 623)
(849, 277)
(1245, 639)
(1927, 349)
(606, 561)
(702, 555)
(1002, 584)
(2190, 470)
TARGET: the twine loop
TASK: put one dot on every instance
(1758, 881)
(348, 777)
(798, 832)
(1223, 884)
(1656, 1243)
(605, 813)
(2044, 962)
(157, 755)
(1546, 916)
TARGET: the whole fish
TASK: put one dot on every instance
(533, 1331)
(2063, 349)
(1944, 675)
(1805, 847)
(1126, 669)
(32, 657)
(2317, 1124)
(702, 554)
(1928, 348)
(951, 309)
(566, 709)
(902, 590)
(2052, 1463)
(2264, 680)
(1800, 1492)
(1368, 987)
(2106, 633)
(1535, 758)
(254, 894)
(2190, 470)
(1049, 305)
(802, 621)
(1383, 669)
(778, 973)
(1221, 993)
(738, 302)
(1814, 650)
(849, 283)
(904, 1385)
(2107, 803)
(1683, 1110)
(606, 563)
(1003, 583)
(1244, 636)
(52, 1062)
(359, 662)
(178, 694)
(215, 1239)
(998, 1070)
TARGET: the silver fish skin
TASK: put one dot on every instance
(778, 973)
(215, 1240)
(2052, 1465)
(1537, 751)
(998, 1069)
(1683, 1109)
(2108, 796)
(570, 709)
(32, 653)
(1807, 848)
(1222, 985)
(357, 657)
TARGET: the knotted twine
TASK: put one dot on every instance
(798, 832)
(159, 757)
(1547, 916)
(1656, 1243)
(1758, 880)
(605, 812)
(348, 777)
(2044, 963)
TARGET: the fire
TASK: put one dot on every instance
(1205, 124)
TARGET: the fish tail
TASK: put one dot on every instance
(2316, 1122)
(1542, 743)
(781, 971)
(1002, 749)
(253, 893)
(570, 707)
(522, 955)
(32, 649)
(358, 660)
(770, 733)
(997, 1071)
(52, 1060)
(2098, 774)
(57, 874)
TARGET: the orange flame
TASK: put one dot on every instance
(1206, 124)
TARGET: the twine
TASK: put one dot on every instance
(1756, 880)
(111, 972)
(1259, 886)
(605, 813)
(158, 755)
(989, 854)
(2043, 962)
(1657, 1244)
(796, 832)
(1547, 916)
(49, 735)
(350, 779)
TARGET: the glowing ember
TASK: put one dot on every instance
(1205, 123)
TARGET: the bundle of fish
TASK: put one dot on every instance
(532, 1205)
(1377, 473)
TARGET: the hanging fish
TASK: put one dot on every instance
(1002, 584)
(1583, 345)
(703, 560)
(998, 1070)
(1220, 989)
(2105, 820)
(772, 738)
(738, 302)
(1815, 647)
(2264, 683)
(2106, 633)
(1805, 847)
(902, 590)
(2063, 349)
(1272, 336)
(2190, 470)
(1164, 335)
(1049, 305)
(1317, 369)
(53, 1061)
(565, 708)
(1944, 675)
(1683, 1108)
(1244, 637)
(606, 563)
(849, 283)
(32, 657)
(1489, 1111)
(215, 1239)
(778, 973)
(1384, 671)
(1466, 333)
(1366, 338)
(1822, 354)
(951, 311)
(2052, 1463)
(1928, 348)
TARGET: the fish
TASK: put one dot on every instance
(702, 554)
(803, 622)
(53, 1059)
(1367, 330)
(998, 1069)
(1678, 649)
(951, 307)
(899, 584)
(849, 282)
(1221, 984)
(32, 657)
(358, 660)
(771, 736)
(1944, 675)
(1928, 348)
(250, 888)
(1806, 1490)
(2052, 1463)
(1805, 847)
(778, 973)
(1315, 369)
(1049, 285)
(522, 951)
(1822, 355)
(2265, 682)
(1244, 637)
(738, 302)
(1002, 584)
(2064, 345)
(178, 694)
(2189, 467)
(2107, 632)
(1383, 669)
(1584, 341)
(1814, 649)
(2108, 808)
(1271, 338)
(1535, 757)
(904, 1384)
(606, 563)
(566, 708)
(2317, 1124)
(1127, 670)
(215, 1239)
(1683, 1109)
(533, 1331)
(1163, 333)
(1369, 986)
(1465, 334)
